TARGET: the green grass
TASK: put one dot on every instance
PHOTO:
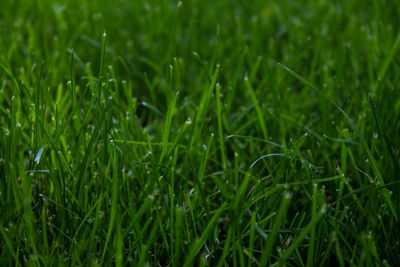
(199, 133)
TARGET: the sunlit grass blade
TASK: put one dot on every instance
(260, 113)
(302, 235)
(220, 130)
(279, 220)
(199, 243)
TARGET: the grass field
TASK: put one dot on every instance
(199, 133)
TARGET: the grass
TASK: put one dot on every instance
(206, 133)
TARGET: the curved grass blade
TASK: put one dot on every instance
(385, 193)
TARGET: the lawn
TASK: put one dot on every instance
(199, 133)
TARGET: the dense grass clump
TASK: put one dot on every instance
(206, 133)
